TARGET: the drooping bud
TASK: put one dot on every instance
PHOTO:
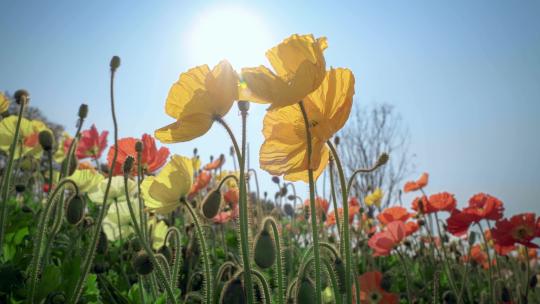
(21, 96)
(289, 210)
(306, 292)
(128, 165)
(505, 295)
(386, 282)
(275, 179)
(56, 298)
(195, 151)
(73, 164)
(243, 105)
(46, 140)
(472, 238)
(382, 160)
(19, 188)
(449, 297)
(211, 204)
(75, 210)
(336, 140)
(115, 63)
(103, 244)
(83, 111)
(533, 281)
(264, 252)
(166, 252)
(139, 146)
(233, 292)
(142, 263)
(339, 267)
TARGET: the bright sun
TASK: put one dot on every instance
(233, 33)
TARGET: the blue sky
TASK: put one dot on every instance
(465, 75)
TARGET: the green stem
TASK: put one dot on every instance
(346, 233)
(447, 261)
(490, 279)
(334, 199)
(209, 290)
(407, 273)
(314, 225)
(244, 225)
(142, 214)
(279, 266)
(6, 179)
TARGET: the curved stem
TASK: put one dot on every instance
(346, 241)
(142, 214)
(226, 178)
(177, 254)
(333, 280)
(334, 199)
(6, 179)
(244, 225)
(206, 260)
(314, 225)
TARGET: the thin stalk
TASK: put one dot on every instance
(490, 279)
(142, 214)
(244, 225)
(447, 261)
(6, 179)
(279, 266)
(407, 278)
(346, 233)
(314, 225)
(334, 199)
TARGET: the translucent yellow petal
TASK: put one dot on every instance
(116, 190)
(159, 231)
(222, 86)
(320, 165)
(185, 129)
(86, 179)
(189, 86)
(7, 133)
(4, 103)
(263, 86)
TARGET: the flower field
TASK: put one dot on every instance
(87, 219)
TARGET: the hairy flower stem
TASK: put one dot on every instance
(312, 207)
(490, 279)
(346, 233)
(279, 267)
(6, 179)
(447, 261)
(161, 271)
(38, 252)
(209, 292)
(142, 214)
(407, 275)
(334, 199)
(90, 252)
(244, 225)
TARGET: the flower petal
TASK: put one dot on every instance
(185, 129)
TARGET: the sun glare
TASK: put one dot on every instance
(234, 33)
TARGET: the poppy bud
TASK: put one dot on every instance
(56, 298)
(472, 238)
(449, 297)
(20, 188)
(46, 140)
(83, 111)
(211, 204)
(26, 209)
(264, 253)
(339, 267)
(243, 105)
(139, 146)
(100, 267)
(283, 191)
(142, 263)
(166, 252)
(289, 210)
(103, 244)
(88, 222)
(135, 245)
(421, 222)
(75, 210)
(231, 151)
(115, 63)
(73, 164)
(233, 292)
(382, 160)
(21, 96)
(336, 140)
(195, 150)
(275, 179)
(533, 281)
(505, 295)
(306, 292)
(128, 165)
(386, 282)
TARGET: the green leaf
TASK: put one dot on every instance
(50, 281)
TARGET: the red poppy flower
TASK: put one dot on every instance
(478, 255)
(371, 290)
(481, 207)
(331, 216)
(383, 242)
(411, 227)
(151, 158)
(416, 185)
(353, 201)
(321, 205)
(231, 196)
(216, 164)
(202, 181)
(521, 228)
(92, 144)
(443, 201)
(391, 214)
(501, 250)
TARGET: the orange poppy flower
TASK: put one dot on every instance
(371, 290)
(416, 185)
(331, 216)
(321, 205)
(391, 214)
(202, 181)
(411, 228)
(231, 196)
(385, 241)
(443, 201)
(216, 164)
(151, 158)
(478, 255)
(92, 143)
(521, 228)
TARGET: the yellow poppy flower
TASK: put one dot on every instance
(86, 179)
(4, 103)
(116, 191)
(196, 161)
(162, 193)
(284, 150)
(28, 136)
(231, 182)
(159, 231)
(300, 68)
(118, 220)
(196, 99)
(374, 198)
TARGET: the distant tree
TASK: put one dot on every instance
(370, 132)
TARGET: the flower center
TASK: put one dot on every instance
(374, 297)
